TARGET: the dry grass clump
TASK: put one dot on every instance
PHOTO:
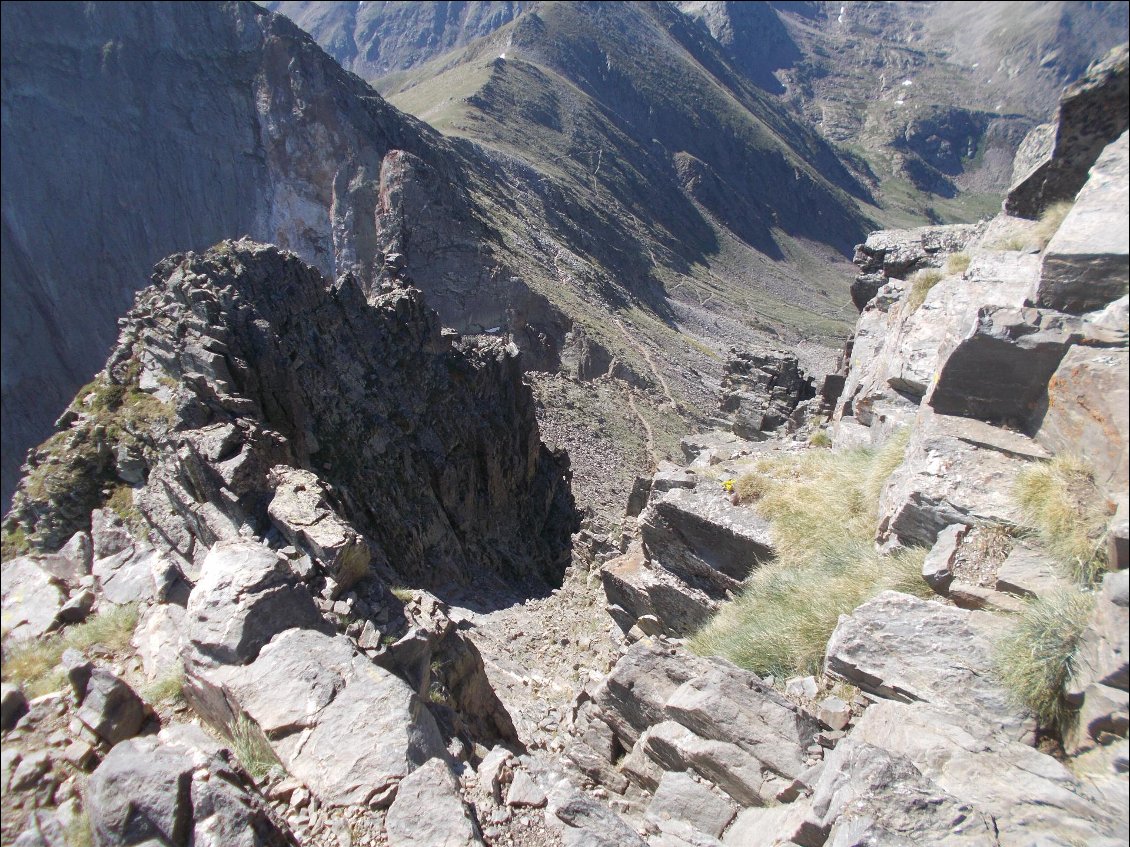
(920, 284)
(166, 689)
(1049, 222)
(1036, 659)
(1061, 505)
(34, 664)
(251, 747)
(822, 507)
(957, 263)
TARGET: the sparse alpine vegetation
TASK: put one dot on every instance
(920, 284)
(1036, 659)
(822, 509)
(1062, 507)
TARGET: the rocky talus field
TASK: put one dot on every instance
(301, 565)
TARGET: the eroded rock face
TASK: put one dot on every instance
(358, 430)
(760, 389)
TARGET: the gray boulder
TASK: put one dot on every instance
(30, 598)
(901, 648)
(246, 594)
(732, 769)
(299, 511)
(1032, 798)
(699, 804)
(428, 811)
(866, 795)
(155, 790)
(347, 728)
(937, 567)
(110, 708)
(1086, 265)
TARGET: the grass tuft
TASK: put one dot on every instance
(920, 284)
(1061, 505)
(1049, 222)
(166, 689)
(34, 664)
(820, 438)
(958, 263)
(1036, 659)
(252, 748)
(78, 832)
(822, 507)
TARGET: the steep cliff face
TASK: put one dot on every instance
(248, 395)
(173, 127)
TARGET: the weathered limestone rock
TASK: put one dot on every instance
(679, 797)
(632, 697)
(1029, 573)
(524, 792)
(72, 562)
(676, 748)
(1052, 162)
(734, 706)
(866, 795)
(246, 594)
(167, 790)
(760, 389)
(901, 648)
(159, 638)
(1087, 413)
(136, 574)
(1087, 263)
(300, 512)
(1103, 717)
(584, 822)
(31, 599)
(1030, 796)
(999, 370)
(428, 811)
(956, 470)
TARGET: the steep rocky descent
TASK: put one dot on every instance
(249, 395)
(913, 701)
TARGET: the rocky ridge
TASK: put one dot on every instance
(353, 710)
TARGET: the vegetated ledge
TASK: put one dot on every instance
(247, 395)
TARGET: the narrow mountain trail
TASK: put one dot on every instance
(646, 354)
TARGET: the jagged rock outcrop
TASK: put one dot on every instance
(1052, 162)
(359, 433)
(760, 390)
